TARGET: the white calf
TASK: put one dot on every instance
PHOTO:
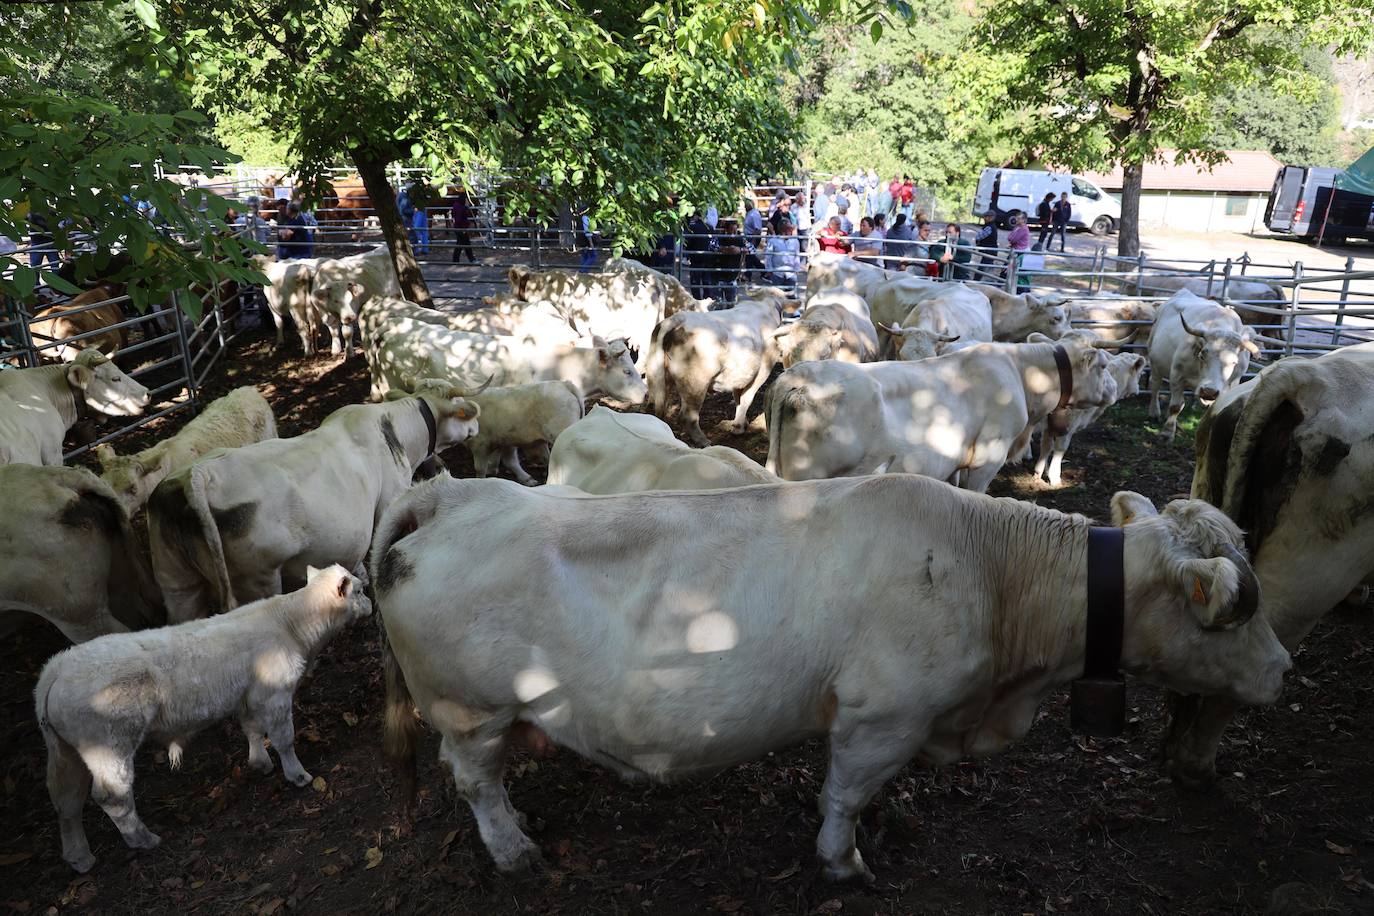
(1124, 368)
(521, 416)
(99, 701)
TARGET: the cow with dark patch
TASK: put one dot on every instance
(243, 524)
(1289, 456)
(48, 512)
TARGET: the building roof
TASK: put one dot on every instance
(1243, 171)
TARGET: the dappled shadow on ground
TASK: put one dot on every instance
(1058, 824)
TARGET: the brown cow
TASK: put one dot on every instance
(63, 322)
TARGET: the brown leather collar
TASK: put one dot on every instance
(427, 414)
(1059, 417)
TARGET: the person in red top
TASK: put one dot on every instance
(832, 239)
(908, 194)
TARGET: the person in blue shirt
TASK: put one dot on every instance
(291, 234)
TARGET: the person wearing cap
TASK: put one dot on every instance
(986, 240)
(291, 234)
(254, 225)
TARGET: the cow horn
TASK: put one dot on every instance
(457, 391)
(1110, 342)
(893, 329)
(1184, 322)
(949, 338)
(1247, 595)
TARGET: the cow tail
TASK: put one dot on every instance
(213, 566)
(656, 368)
(779, 400)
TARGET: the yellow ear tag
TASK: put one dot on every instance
(1199, 595)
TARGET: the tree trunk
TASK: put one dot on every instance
(372, 169)
(1128, 234)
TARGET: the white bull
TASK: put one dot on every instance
(68, 516)
(38, 406)
(728, 350)
(239, 523)
(1288, 456)
(289, 292)
(1112, 318)
(522, 416)
(612, 625)
(1199, 345)
(241, 417)
(98, 702)
(1239, 292)
(340, 285)
(834, 325)
(433, 351)
(1016, 317)
(609, 452)
(954, 313)
(838, 271)
(957, 417)
(1125, 369)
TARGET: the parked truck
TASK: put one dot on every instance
(1314, 202)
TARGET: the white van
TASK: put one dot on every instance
(1005, 190)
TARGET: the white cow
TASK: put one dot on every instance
(838, 271)
(1015, 318)
(341, 285)
(1112, 318)
(103, 585)
(38, 406)
(620, 303)
(1239, 292)
(676, 297)
(433, 351)
(957, 417)
(1196, 344)
(609, 452)
(954, 313)
(237, 524)
(289, 292)
(727, 350)
(241, 417)
(1125, 369)
(1289, 457)
(891, 300)
(522, 416)
(666, 635)
(834, 325)
(97, 703)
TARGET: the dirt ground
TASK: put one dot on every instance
(1059, 824)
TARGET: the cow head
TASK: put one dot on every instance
(1048, 314)
(338, 593)
(130, 477)
(105, 387)
(1093, 385)
(918, 343)
(807, 341)
(616, 375)
(1222, 356)
(455, 417)
(1192, 621)
(1125, 369)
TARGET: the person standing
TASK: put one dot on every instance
(753, 224)
(952, 254)
(820, 207)
(920, 247)
(908, 195)
(420, 219)
(783, 257)
(586, 241)
(868, 247)
(897, 246)
(291, 242)
(782, 214)
(1019, 241)
(254, 225)
(846, 224)
(1044, 215)
(1063, 212)
(986, 243)
(461, 215)
(801, 215)
(700, 246)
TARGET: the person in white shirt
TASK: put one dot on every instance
(783, 257)
(820, 210)
(712, 216)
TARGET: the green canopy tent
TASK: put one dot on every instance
(1358, 178)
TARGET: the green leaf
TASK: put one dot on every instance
(875, 31)
(59, 284)
(146, 13)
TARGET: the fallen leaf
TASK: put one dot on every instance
(562, 848)
(197, 885)
(350, 719)
(318, 784)
(331, 849)
(271, 906)
(784, 874)
(833, 905)
(15, 858)
(1340, 850)
(330, 870)
(728, 904)
(373, 857)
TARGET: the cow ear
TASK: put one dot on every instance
(105, 455)
(781, 332)
(345, 586)
(310, 574)
(80, 375)
(1210, 585)
(466, 410)
(1128, 507)
(1037, 337)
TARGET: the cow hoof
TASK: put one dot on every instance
(300, 781)
(1191, 779)
(260, 767)
(739, 428)
(839, 874)
(527, 481)
(526, 859)
(82, 864)
(143, 839)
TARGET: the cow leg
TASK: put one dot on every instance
(277, 320)
(276, 715)
(977, 479)
(863, 757)
(334, 326)
(538, 452)
(69, 785)
(1175, 408)
(691, 414)
(183, 591)
(256, 584)
(112, 787)
(1192, 737)
(510, 458)
(1046, 446)
(745, 398)
(477, 760)
(1154, 395)
(1056, 459)
(259, 761)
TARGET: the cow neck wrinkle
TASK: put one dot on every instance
(427, 414)
(1040, 622)
(69, 401)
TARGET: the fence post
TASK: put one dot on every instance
(535, 251)
(1225, 279)
(22, 319)
(1140, 274)
(1292, 328)
(1211, 275)
(1345, 296)
(179, 317)
(1013, 263)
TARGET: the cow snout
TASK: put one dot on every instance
(349, 319)
(1270, 682)
(1207, 394)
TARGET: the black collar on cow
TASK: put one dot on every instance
(1098, 698)
(1058, 421)
(427, 414)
